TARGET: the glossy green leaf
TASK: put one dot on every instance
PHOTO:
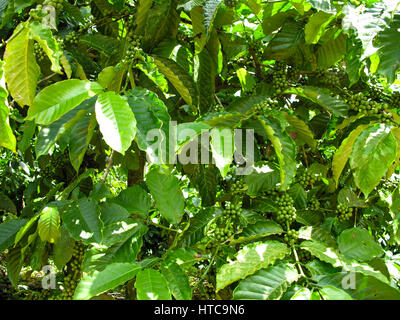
(116, 121)
(49, 224)
(223, 147)
(164, 187)
(178, 281)
(57, 99)
(152, 285)
(82, 220)
(8, 231)
(21, 70)
(373, 152)
(266, 284)
(112, 276)
(250, 259)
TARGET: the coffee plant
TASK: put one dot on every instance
(198, 150)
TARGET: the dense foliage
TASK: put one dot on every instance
(308, 209)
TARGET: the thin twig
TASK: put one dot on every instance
(47, 78)
(110, 161)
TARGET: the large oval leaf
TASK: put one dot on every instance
(57, 99)
(116, 120)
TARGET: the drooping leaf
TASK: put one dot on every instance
(8, 230)
(116, 121)
(63, 248)
(180, 79)
(373, 152)
(49, 224)
(343, 153)
(21, 70)
(135, 200)
(178, 281)
(82, 220)
(223, 147)
(167, 194)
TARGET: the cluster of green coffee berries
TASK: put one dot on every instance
(308, 179)
(71, 38)
(286, 210)
(223, 227)
(83, 28)
(303, 255)
(238, 186)
(359, 102)
(279, 78)
(395, 99)
(47, 172)
(134, 40)
(344, 212)
(39, 52)
(291, 236)
(265, 105)
(293, 73)
(375, 93)
(218, 108)
(314, 204)
(74, 272)
(231, 3)
(135, 54)
(57, 4)
(331, 79)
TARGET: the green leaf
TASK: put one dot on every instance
(164, 187)
(57, 99)
(135, 200)
(389, 51)
(162, 22)
(82, 220)
(152, 285)
(50, 134)
(266, 284)
(195, 232)
(63, 248)
(7, 205)
(8, 230)
(112, 212)
(116, 121)
(199, 29)
(367, 22)
(331, 51)
(21, 70)
(206, 79)
(150, 70)
(80, 136)
(285, 149)
(121, 231)
(112, 276)
(322, 97)
(14, 264)
(180, 79)
(7, 138)
(363, 288)
(223, 147)
(285, 42)
(333, 293)
(152, 117)
(43, 35)
(249, 260)
(316, 25)
(143, 8)
(101, 43)
(358, 244)
(210, 9)
(317, 234)
(373, 152)
(49, 224)
(178, 281)
(303, 131)
(258, 230)
(343, 153)
(206, 181)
